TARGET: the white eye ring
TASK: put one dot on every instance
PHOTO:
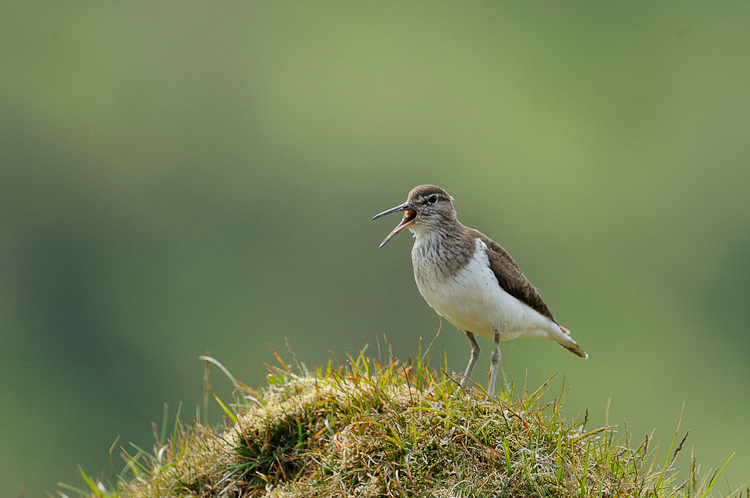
(432, 199)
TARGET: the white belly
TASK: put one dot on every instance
(473, 300)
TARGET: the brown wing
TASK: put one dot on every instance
(511, 279)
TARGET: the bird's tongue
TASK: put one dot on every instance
(409, 216)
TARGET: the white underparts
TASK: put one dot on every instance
(471, 298)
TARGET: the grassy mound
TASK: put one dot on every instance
(372, 430)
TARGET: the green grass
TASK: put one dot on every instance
(371, 429)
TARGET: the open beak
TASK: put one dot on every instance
(406, 221)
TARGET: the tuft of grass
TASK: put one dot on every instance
(371, 429)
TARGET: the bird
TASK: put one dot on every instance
(471, 281)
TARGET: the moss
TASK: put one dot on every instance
(379, 431)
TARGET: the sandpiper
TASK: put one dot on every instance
(471, 280)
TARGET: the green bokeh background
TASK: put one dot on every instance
(181, 178)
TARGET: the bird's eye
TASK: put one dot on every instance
(432, 199)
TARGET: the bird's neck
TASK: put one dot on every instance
(443, 250)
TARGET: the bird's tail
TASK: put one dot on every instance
(568, 343)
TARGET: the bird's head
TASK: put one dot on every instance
(426, 208)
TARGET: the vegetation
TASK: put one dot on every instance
(370, 429)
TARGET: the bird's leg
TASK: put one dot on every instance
(472, 361)
(495, 363)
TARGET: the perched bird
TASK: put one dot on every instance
(471, 281)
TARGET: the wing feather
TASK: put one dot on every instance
(510, 277)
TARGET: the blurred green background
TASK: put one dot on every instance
(181, 178)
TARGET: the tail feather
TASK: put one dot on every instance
(568, 343)
(576, 349)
